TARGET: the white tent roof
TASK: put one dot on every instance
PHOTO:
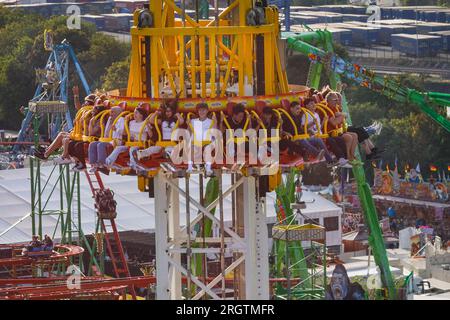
(135, 209)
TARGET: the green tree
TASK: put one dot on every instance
(22, 51)
(116, 76)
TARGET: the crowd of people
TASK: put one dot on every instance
(313, 128)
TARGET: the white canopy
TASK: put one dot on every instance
(135, 209)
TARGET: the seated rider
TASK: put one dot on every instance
(98, 150)
(57, 143)
(199, 129)
(34, 244)
(337, 144)
(311, 146)
(48, 243)
(168, 119)
(135, 126)
(77, 148)
(334, 100)
(238, 120)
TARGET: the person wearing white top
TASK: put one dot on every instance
(135, 126)
(314, 126)
(200, 130)
(98, 151)
(312, 123)
(167, 121)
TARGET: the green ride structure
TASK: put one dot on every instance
(318, 46)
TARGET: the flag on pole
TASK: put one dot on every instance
(433, 168)
(448, 168)
(387, 168)
(419, 174)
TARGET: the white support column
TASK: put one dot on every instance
(174, 236)
(162, 261)
(256, 254)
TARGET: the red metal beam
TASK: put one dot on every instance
(61, 294)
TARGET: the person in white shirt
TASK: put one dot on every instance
(200, 130)
(168, 120)
(98, 151)
(135, 125)
(314, 127)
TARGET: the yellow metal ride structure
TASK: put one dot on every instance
(235, 57)
(196, 58)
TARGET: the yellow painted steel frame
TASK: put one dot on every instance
(109, 138)
(161, 142)
(237, 140)
(77, 132)
(269, 139)
(86, 120)
(323, 107)
(195, 60)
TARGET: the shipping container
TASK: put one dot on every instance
(355, 17)
(130, 5)
(396, 14)
(442, 16)
(98, 21)
(117, 21)
(358, 10)
(386, 13)
(445, 39)
(363, 36)
(331, 8)
(303, 9)
(406, 13)
(302, 19)
(25, 2)
(428, 27)
(417, 45)
(342, 36)
(327, 17)
(400, 21)
(386, 31)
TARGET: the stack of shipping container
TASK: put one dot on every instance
(347, 23)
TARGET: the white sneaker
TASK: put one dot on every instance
(190, 168)
(379, 128)
(61, 160)
(139, 155)
(347, 166)
(342, 162)
(208, 170)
